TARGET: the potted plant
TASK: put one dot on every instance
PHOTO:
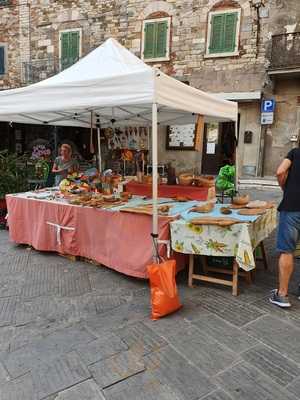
(13, 178)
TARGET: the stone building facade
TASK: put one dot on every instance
(249, 69)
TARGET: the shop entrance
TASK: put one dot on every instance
(219, 146)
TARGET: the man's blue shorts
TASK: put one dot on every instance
(288, 231)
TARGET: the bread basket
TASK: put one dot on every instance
(205, 181)
(185, 179)
(241, 200)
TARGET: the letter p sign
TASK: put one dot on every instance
(268, 106)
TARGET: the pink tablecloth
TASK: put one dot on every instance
(117, 240)
(170, 191)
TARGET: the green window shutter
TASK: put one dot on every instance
(230, 32)
(64, 45)
(2, 60)
(70, 42)
(216, 33)
(74, 47)
(161, 39)
(149, 40)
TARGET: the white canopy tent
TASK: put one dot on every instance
(117, 87)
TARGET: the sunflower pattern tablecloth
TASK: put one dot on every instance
(237, 241)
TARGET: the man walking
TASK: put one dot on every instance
(288, 175)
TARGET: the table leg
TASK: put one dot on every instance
(264, 257)
(235, 278)
(191, 270)
(248, 278)
(204, 264)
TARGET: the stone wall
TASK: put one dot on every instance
(9, 36)
(31, 31)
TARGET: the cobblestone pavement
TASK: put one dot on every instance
(75, 331)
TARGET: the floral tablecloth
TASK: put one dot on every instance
(239, 240)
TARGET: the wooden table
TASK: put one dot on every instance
(238, 241)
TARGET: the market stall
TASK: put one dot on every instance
(119, 240)
(108, 87)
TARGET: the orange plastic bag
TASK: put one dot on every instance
(164, 295)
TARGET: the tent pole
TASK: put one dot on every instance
(236, 158)
(99, 150)
(99, 144)
(154, 176)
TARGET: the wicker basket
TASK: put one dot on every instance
(148, 179)
(241, 200)
(205, 181)
(185, 179)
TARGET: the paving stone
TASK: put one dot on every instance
(6, 335)
(142, 386)
(265, 305)
(120, 317)
(41, 280)
(7, 310)
(18, 389)
(4, 377)
(116, 368)
(173, 370)
(87, 390)
(108, 302)
(224, 333)
(140, 338)
(38, 307)
(59, 374)
(294, 388)
(217, 395)
(112, 282)
(171, 326)
(273, 364)
(244, 382)
(14, 264)
(11, 285)
(228, 307)
(278, 334)
(239, 315)
(104, 347)
(205, 352)
(74, 283)
(45, 349)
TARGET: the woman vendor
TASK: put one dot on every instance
(64, 164)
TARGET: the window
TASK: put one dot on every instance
(70, 47)
(2, 60)
(223, 33)
(156, 39)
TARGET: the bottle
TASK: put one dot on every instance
(171, 175)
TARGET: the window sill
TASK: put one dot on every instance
(222, 55)
(155, 60)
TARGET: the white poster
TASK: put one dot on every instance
(210, 148)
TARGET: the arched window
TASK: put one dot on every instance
(223, 30)
(156, 38)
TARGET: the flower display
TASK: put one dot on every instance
(40, 152)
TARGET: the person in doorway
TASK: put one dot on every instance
(288, 175)
(64, 164)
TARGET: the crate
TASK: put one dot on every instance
(221, 262)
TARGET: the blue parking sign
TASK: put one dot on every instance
(268, 106)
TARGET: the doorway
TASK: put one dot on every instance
(219, 147)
